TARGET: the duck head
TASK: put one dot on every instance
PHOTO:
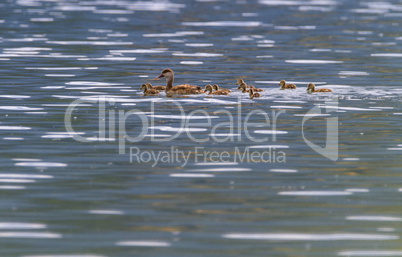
(239, 82)
(144, 87)
(166, 73)
(242, 86)
(208, 88)
(310, 88)
(282, 83)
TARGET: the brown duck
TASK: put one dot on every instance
(209, 89)
(284, 85)
(311, 89)
(244, 87)
(184, 89)
(148, 90)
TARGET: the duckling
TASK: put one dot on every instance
(286, 86)
(184, 89)
(218, 88)
(159, 87)
(243, 87)
(252, 94)
(311, 89)
(206, 88)
(148, 90)
(209, 88)
(240, 82)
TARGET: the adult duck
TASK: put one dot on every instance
(311, 89)
(184, 89)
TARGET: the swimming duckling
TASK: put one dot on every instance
(283, 85)
(218, 88)
(159, 87)
(148, 90)
(243, 87)
(209, 88)
(311, 89)
(241, 82)
(184, 89)
(252, 94)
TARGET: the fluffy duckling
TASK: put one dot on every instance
(148, 90)
(286, 86)
(209, 88)
(241, 82)
(218, 88)
(311, 89)
(243, 87)
(184, 89)
(252, 94)
(159, 87)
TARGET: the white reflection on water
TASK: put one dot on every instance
(101, 43)
(315, 193)
(312, 61)
(13, 138)
(283, 170)
(106, 212)
(374, 218)
(15, 96)
(353, 73)
(41, 164)
(29, 235)
(186, 175)
(20, 108)
(14, 128)
(139, 51)
(175, 34)
(197, 54)
(365, 253)
(141, 243)
(191, 62)
(224, 24)
(306, 2)
(311, 237)
(17, 225)
(387, 55)
(109, 58)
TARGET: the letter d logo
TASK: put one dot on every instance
(331, 143)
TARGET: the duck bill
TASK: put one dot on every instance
(160, 76)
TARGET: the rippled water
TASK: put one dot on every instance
(200, 175)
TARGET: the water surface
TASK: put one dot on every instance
(209, 176)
